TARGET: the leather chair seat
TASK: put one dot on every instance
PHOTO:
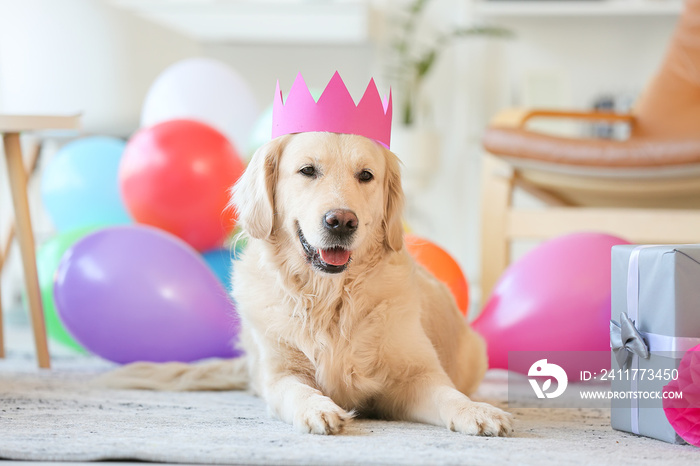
(633, 153)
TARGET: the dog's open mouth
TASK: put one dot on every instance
(333, 260)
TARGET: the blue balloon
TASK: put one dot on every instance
(220, 261)
(80, 186)
(262, 131)
(261, 134)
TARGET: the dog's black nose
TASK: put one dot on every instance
(341, 222)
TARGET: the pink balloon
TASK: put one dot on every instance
(684, 413)
(555, 298)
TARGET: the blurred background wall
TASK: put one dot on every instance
(99, 57)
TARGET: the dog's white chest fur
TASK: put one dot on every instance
(337, 332)
(347, 353)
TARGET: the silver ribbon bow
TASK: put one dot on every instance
(626, 340)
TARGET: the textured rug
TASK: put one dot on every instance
(58, 416)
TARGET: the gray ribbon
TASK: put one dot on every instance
(626, 340)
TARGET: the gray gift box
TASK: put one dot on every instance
(656, 288)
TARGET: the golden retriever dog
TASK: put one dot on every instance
(337, 319)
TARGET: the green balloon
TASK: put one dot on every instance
(48, 257)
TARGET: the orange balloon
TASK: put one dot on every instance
(439, 262)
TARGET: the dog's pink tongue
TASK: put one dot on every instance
(335, 256)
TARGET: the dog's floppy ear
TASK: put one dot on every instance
(253, 196)
(393, 204)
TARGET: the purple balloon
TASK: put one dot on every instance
(135, 293)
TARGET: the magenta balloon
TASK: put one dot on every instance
(555, 298)
(135, 293)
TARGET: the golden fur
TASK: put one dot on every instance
(383, 338)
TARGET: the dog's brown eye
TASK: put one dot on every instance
(308, 170)
(365, 176)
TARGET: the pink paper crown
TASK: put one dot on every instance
(334, 112)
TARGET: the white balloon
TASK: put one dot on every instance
(205, 90)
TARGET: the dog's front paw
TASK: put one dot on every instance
(321, 415)
(481, 419)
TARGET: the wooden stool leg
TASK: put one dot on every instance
(2, 329)
(496, 201)
(7, 242)
(4, 252)
(25, 236)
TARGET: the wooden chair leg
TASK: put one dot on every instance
(496, 201)
(2, 332)
(25, 235)
(4, 252)
(2, 329)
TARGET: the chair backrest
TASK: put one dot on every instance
(670, 106)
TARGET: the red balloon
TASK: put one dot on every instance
(175, 176)
(441, 264)
(555, 298)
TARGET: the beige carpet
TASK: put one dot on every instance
(55, 415)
